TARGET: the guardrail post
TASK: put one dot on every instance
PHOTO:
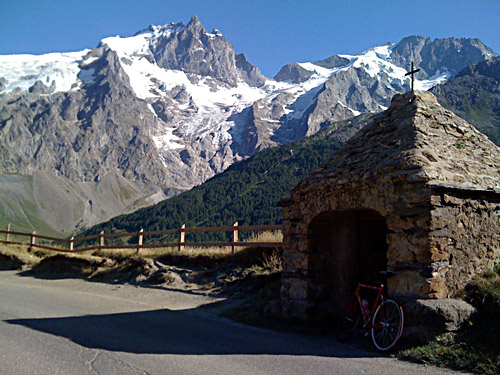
(33, 239)
(139, 242)
(235, 236)
(101, 239)
(71, 243)
(182, 237)
(8, 234)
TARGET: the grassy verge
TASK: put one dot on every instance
(215, 269)
(477, 347)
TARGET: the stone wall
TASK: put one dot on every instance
(436, 242)
(406, 212)
(464, 240)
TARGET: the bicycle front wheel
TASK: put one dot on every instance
(387, 325)
(349, 322)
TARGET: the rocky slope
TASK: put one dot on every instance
(173, 105)
(54, 205)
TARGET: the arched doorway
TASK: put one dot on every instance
(345, 247)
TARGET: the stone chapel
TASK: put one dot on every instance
(417, 191)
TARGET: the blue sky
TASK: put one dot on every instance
(271, 33)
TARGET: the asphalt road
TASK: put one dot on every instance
(76, 327)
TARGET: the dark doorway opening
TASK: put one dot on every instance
(345, 247)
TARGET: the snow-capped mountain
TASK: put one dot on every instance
(173, 105)
(366, 82)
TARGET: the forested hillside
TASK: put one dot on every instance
(246, 192)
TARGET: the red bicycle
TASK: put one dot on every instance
(384, 319)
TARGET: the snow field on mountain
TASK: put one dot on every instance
(376, 60)
(22, 71)
(166, 140)
(215, 102)
(436, 79)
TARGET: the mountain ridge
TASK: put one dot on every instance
(174, 105)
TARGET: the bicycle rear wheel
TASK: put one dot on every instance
(348, 323)
(387, 324)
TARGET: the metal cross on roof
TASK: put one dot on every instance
(412, 73)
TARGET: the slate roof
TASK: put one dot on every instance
(415, 140)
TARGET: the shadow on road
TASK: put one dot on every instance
(183, 332)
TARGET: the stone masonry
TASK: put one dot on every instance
(417, 192)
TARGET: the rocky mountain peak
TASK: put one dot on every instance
(195, 24)
(293, 73)
(438, 55)
(158, 30)
(192, 49)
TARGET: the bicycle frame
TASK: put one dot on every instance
(384, 319)
(378, 300)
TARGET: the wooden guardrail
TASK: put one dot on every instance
(69, 245)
